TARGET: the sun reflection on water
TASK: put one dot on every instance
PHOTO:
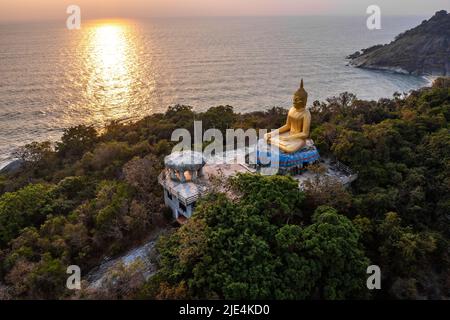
(112, 68)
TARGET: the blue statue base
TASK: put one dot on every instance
(296, 161)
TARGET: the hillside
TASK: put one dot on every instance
(96, 195)
(423, 50)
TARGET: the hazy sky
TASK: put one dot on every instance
(25, 10)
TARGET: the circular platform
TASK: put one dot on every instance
(270, 157)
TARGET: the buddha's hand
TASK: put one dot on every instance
(283, 138)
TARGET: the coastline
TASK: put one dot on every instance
(14, 163)
(395, 70)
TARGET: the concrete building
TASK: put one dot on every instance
(188, 176)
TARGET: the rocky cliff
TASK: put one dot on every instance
(423, 50)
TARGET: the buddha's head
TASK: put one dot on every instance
(300, 97)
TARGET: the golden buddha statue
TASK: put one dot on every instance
(293, 135)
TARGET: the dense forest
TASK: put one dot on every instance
(95, 194)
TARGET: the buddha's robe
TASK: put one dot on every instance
(292, 136)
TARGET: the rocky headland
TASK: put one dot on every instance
(423, 50)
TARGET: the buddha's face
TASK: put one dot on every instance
(300, 101)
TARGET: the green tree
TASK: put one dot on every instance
(332, 246)
(243, 250)
(26, 207)
(77, 140)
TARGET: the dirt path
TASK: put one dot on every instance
(96, 276)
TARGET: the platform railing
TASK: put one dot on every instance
(185, 200)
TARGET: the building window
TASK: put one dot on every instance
(183, 207)
(169, 195)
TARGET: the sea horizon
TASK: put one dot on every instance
(121, 17)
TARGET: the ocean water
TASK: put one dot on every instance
(52, 78)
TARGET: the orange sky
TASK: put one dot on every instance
(25, 10)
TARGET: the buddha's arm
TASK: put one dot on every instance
(282, 129)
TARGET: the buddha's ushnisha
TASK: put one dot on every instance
(292, 136)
